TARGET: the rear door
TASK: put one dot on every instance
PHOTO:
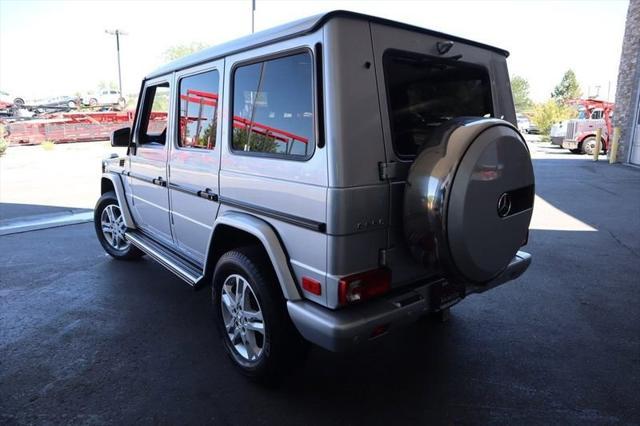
(195, 158)
(148, 168)
(419, 90)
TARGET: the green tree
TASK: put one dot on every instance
(256, 143)
(180, 50)
(550, 112)
(107, 85)
(568, 88)
(520, 90)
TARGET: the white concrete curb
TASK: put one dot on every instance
(43, 221)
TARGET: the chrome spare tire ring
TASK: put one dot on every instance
(242, 316)
(113, 227)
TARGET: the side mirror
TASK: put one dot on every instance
(121, 137)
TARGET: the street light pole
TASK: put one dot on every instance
(118, 33)
(253, 12)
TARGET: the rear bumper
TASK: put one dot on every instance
(341, 329)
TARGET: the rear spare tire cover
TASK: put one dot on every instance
(469, 199)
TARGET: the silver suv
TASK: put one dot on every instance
(332, 180)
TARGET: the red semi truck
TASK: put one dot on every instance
(580, 136)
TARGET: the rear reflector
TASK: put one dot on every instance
(312, 286)
(379, 331)
(364, 285)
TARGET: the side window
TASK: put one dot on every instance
(198, 110)
(153, 125)
(273, 107)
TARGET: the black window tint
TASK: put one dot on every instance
(273, 107)
(198, 110)
(423, 92)
(153, 126)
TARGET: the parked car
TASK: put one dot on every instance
(103, 98)
(523, 123)
(7, 100)
(319, 214)
(54, 102)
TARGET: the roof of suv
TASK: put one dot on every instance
(291, 30)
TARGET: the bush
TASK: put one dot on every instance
(47, 145)
(550, 112)
(3, 143)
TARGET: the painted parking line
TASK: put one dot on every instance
(44, 221)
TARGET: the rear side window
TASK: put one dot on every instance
(273, 107)
(198, 110)
(153, 126)
(423, 92)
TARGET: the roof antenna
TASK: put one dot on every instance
(444, 46)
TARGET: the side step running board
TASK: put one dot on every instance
(182, 268)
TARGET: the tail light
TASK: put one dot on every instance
(364, 285)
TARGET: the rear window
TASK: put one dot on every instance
(423, 92)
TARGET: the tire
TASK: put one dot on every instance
(107, 215)
(265, 342)
(19, 102)
(72, 105)
(93, 102)
(588, 145)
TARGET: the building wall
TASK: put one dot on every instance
(628, 80)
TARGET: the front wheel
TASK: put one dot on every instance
(251, 316)
(110, 228)
(589, 145)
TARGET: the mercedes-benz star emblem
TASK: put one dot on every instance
(504, 205)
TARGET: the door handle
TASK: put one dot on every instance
(160, 181)
(208, 194)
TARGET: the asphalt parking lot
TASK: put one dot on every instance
(88, 340)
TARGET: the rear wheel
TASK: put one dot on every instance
(93, 102)
(110, 228)
(251, 316)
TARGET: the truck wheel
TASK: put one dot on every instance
(110, 229)
(93, 102)
(251, 316)
(589, 145)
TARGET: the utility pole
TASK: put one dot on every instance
(253, 13)
(118, 33)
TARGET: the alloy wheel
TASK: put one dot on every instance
(242, 316)
(113, 227)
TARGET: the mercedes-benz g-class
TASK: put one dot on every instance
(331, 179)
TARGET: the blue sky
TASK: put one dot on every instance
(56, 47)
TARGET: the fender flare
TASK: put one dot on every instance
(270, 241)
(118, 187)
